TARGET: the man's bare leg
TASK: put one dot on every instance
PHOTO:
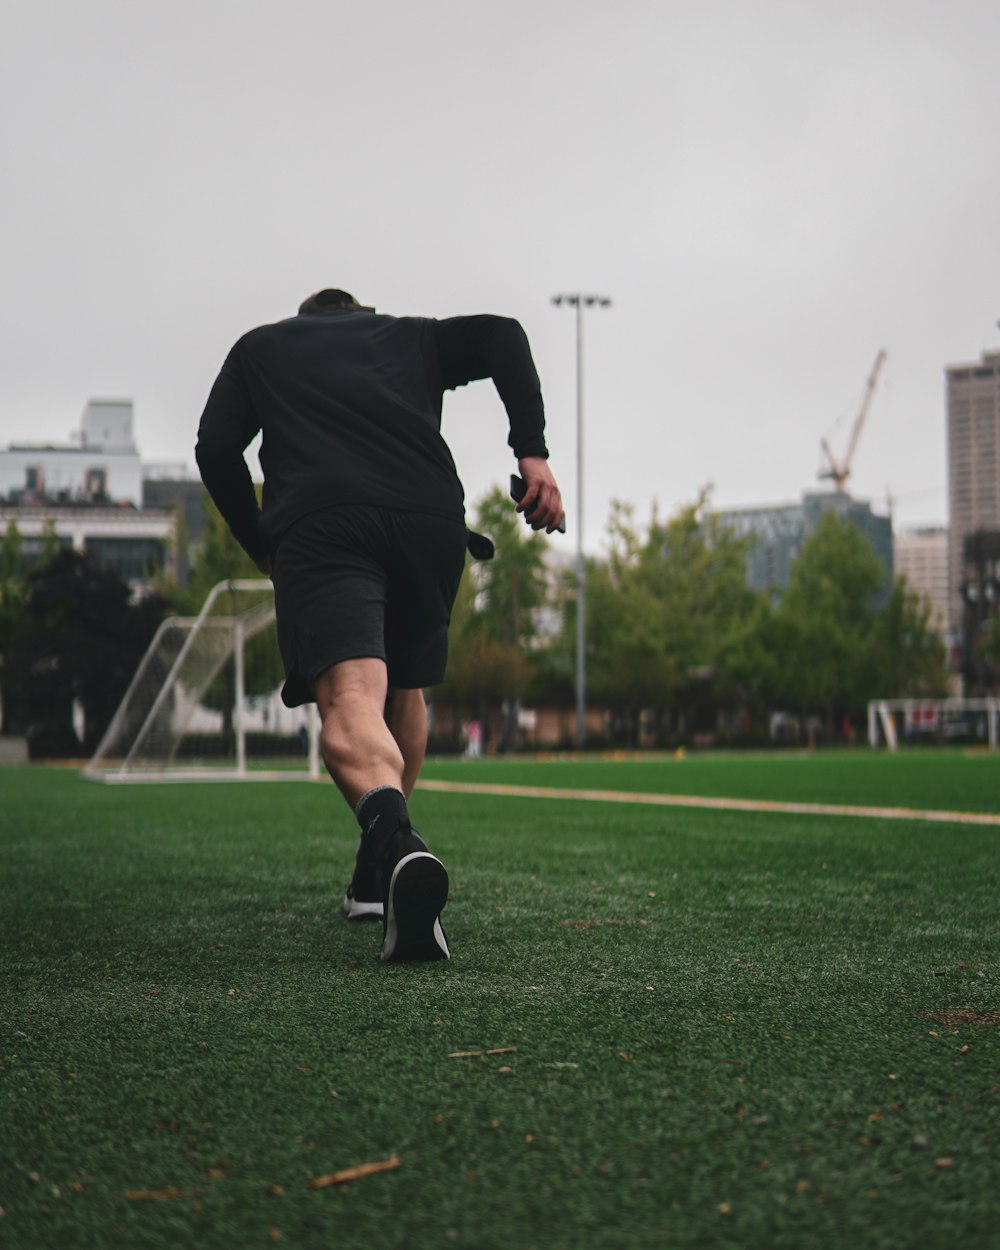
(358, 747)
(406, 716)
(365, 760)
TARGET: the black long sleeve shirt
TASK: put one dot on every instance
(349, 403)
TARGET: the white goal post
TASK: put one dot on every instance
(205, 704)
(895, 721)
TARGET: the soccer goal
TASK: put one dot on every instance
(892, 722)
(205, 701)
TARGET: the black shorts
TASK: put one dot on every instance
(355, 581)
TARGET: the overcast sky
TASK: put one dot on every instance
(769, 190)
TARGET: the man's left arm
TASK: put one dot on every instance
(495, 347)
(226, 429)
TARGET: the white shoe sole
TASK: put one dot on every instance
(418, 891)
(356, 910)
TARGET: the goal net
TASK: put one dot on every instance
(205, 701)
(896, 722)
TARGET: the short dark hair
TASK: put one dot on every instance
(327, 298)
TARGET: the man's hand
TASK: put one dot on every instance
(542, 503)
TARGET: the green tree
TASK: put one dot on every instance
(629, 661)
(83, 641)
(180, 544)
(662, 612)
(989, 653)
(482, 673)
(15, 621)
(839, 635)
(13, 617)
(828, 613)
(219, 558)
(907, 657)
(512, 586)
(754, 671)
(494, 623)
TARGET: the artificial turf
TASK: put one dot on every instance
(713, 1028)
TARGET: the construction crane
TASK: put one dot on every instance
(840, 471)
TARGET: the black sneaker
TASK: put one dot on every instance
(364, 897)
(415, 897)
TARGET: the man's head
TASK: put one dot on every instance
(330, 299)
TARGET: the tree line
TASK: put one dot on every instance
(71, 638)
(677, 645)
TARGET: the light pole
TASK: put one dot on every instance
(580, 301)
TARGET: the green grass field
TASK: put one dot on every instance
(713, 1028)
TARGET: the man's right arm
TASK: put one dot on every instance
(227, 427)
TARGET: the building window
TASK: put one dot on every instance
(34, 547)
(132, 559)
(96, 483)
(34, 480)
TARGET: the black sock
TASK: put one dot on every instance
(380, 813)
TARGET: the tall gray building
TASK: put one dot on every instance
(779, 530)
(973, 394)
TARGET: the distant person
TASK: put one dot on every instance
(473, 740)
(363, 533)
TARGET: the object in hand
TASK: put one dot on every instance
(517, 493)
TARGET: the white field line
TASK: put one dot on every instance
(140, 778)
(718, 804)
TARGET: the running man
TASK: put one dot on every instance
(362, 530)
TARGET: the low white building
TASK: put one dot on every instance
(125, 541)
(102, 464)
(89, 494)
